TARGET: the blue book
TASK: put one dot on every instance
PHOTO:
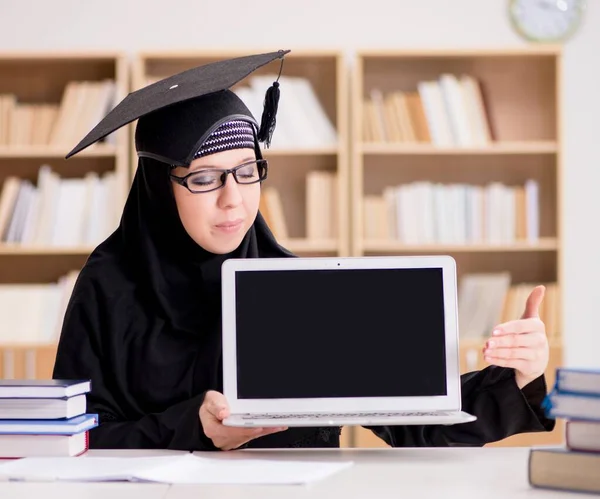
(43, 388)
(574, 406)
(48, 427)
(584, 381)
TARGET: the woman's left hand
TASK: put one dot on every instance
(521, 344)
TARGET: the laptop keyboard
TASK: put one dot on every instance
(344, 415)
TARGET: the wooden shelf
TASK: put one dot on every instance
(299, 245)
(323, 151)
(36, 78)
(520, 90)
(546, 244)
(499, 148)
(40, 251)
(419, 54)
(33, 152)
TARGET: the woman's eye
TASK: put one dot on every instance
(247, 172)
(204, 179)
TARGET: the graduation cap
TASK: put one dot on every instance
(178, 113)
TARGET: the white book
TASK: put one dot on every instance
(456, 110)
(441, 225)
(31, 216)
(69, 220)
(37, 408)
(15, 228)
(435, 113)
(315, 112)
(533, 210)
(473, 98)
(49, 184)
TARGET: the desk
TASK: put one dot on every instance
(463, 473)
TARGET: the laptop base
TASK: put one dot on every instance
(351, 419)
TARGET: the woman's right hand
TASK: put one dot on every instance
(213, 411)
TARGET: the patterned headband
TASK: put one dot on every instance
(235, 134)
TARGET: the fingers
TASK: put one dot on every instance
(216, 405)
(228, 438)
(531, 325)
(212, 412)
(523, 340)
(534, 301)
(509, 354)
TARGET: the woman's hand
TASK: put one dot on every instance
(213, 411)
(521, 344)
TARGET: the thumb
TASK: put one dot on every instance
(534, 300)
(216, 404)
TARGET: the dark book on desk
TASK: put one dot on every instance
(561, 469)
(42, 388)
(37, 408)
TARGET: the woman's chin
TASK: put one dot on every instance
(222, 245)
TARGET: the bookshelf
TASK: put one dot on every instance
(427, 123)
(292, 208)
(76, 90)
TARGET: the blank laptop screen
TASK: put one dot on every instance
(340, 333)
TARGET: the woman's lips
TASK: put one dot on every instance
(230, 226)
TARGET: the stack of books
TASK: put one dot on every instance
(576, 466)
(44, 418)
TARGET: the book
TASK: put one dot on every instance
(572, 406)
(42, 388)
(564, 470)
(69, 426)
(36, 408)
(578, 381)
(23, 446)
(583, 436)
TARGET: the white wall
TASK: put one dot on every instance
(132, 25)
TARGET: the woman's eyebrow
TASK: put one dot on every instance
(213, 167)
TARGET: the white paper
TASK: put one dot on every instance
(180, 469)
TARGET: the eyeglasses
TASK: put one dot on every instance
(213, 179)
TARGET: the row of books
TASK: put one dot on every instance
(32, 314)
(59, 211)
(488, 299)
(575, 466)
(302, 121)
(83, 105)
(449, 111)
(44, 418)
(428, 213)
(321, 208)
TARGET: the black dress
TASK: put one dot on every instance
(143, 324)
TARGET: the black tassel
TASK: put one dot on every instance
(268, 120)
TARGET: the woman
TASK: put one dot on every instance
(143, 322)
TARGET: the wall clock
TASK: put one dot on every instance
(546, 20)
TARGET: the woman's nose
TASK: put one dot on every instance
(230, 194)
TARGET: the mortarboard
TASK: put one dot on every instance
(177, 113)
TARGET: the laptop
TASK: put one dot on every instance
(341, 341)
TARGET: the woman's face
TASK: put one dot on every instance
(218, 220)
